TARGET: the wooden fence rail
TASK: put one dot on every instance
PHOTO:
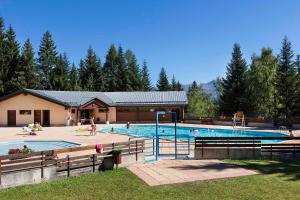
(270, 150)
(40, 160)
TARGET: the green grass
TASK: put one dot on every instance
(280, 180)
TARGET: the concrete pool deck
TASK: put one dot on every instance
(181, 171)
(83, 137)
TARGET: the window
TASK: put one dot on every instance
(73, 111)
(25, 112)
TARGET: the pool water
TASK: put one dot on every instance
(184, 132)
(35, 145)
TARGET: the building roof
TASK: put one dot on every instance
(78, 98)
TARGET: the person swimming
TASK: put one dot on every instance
(128, 125)
(112, 129)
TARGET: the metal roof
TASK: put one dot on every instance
(77, 98)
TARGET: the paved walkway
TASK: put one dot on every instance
(180, 171)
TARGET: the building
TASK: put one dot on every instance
(52, 108)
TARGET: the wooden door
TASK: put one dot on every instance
(11, 118)
(37, 116)
(46, 117)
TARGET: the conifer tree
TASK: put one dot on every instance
(146, 81)
(46, 60)
(134, 71)
(173, 84)
(193, 87)
(59, 74)
(297, 64)
(26, 75)
(286, 84)
(90, 86)
(2, 67)
(110, 69)
(179, 86)
(163, 82)
(11, 60)
(234, 95)
(82, 74)
(123, 82)
(91, 65)
(74, 79)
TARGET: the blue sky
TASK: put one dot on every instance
(192, 39)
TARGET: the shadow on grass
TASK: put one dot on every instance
(208, 167)
(286, 169)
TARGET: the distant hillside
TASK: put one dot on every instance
(209, 88)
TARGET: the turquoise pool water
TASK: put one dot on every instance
(35, 145)
(183, 132)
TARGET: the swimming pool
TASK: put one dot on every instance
(184, 132)
(35, 145)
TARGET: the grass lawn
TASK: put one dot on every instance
(279, 180)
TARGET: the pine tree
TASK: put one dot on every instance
(123, 81)
(145, 78)
(59, 74)
(110, 69)
(234, 96)
(297, 64)
(91, 65)
(261, 85)
(74, 79)
(82, 74)
(46, 60)
(26, 75)
(134, 71)
(163, 82)
(90, 85)
(193, 87)
(286, 84)
(11, 60)
(179, 86)
(173, 84)
(2, 67)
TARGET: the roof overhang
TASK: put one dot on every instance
(94, 103)
(25, 92)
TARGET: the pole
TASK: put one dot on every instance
(156, 137)
(174, 113)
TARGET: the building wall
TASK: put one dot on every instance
(112, 114)
(58, 113)
(147, 113)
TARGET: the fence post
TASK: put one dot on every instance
(202, 148)
(136, 150)
(42, 164)
(68, 166)
(294, 152)
(94, 162)
(189, 151)
(228, 149)
(271, 152)
(253, 152)
(153, 146)
(0, 172)
(129, 145)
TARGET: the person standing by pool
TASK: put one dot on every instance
(68, 118)
(93, 126)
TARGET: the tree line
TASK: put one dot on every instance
(267, 88)
(52, 70)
